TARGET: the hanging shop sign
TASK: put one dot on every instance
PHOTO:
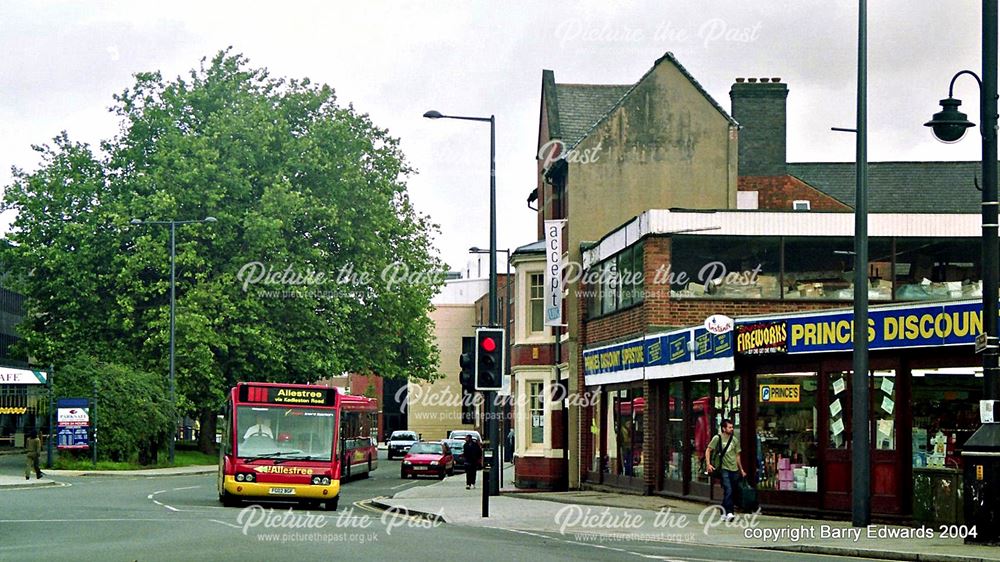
(719, 324)
(553, 292)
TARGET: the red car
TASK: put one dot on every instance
(427, 457)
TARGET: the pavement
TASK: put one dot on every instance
(591, 517)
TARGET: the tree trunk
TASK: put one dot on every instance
(206, 436)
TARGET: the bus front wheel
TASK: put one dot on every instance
(229, 500)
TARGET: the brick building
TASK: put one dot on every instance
(769, 247)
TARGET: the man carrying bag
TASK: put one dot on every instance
(726, 465)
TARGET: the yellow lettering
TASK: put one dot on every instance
(891, 329)
(926, 326)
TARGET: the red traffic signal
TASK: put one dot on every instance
(489, 358)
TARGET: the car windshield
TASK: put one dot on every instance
(287, 433)
(462, 434)
(403, 437)
(456, 446)
(426, 449)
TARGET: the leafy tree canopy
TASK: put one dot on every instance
(290, 284)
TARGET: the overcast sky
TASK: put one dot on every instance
(394, 60)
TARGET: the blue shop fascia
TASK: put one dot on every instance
(785, 381)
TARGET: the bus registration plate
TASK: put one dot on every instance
(283, 491)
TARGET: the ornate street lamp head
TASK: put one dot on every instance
(949, 124)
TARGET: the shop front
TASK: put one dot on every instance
(785, 381)
(923, 387)
(651, 424)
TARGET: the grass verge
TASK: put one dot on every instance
(181, 458)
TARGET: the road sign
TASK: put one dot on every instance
(73, 417)
(980, 343)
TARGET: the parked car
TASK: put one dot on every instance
(461, 433)
(457, 447)
(428, 457)
(399, 442)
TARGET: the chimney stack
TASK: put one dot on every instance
(759, 107)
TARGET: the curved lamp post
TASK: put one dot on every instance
(949, 125)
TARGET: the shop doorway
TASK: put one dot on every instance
(886, 460)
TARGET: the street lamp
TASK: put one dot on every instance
(983, 447)
(173, 254)
(493, 487)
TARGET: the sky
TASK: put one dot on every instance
(63, 61)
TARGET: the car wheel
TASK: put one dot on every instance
(451, 471)
(441, 474)
(402, 475)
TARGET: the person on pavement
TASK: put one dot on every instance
(732, 467)
(473, 453)
(33, 449)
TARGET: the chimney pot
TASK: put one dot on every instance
(740, 80)
(764, 80)
(775, 80)
(752, 80)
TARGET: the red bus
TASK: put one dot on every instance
(358, 436)
(279, 443)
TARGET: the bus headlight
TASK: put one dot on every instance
(326, 481)
(239, 477)
(316, 480)
(249, 478)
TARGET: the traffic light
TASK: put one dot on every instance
(468, 363)
(489, 358)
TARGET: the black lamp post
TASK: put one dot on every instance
(981, 453)
(173, 254)
(493, 487)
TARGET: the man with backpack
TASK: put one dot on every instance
(729, 468)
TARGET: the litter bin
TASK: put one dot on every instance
(981, 460)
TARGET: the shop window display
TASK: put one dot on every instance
(787, 431)
(945, 414)
(624, 432)
(674, 434)
(701, 418)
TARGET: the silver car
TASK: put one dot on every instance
(400, 442)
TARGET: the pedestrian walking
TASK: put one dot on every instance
(473, 452)
(32, 448)
(729, 462)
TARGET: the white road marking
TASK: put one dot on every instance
(186, 488)
(403, 484)
(226, 524)
(603, 547)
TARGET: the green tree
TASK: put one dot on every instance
(133, 410)
(294, 282)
